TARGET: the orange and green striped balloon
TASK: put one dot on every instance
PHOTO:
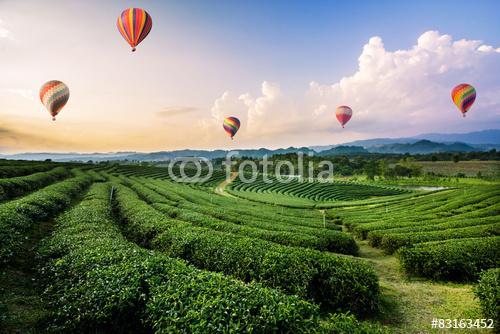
(134, 24)
(463, 96)
(231, 126)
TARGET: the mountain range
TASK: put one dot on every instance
(425, 143)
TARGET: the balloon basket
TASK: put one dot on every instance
(53, 118)
(133, 50)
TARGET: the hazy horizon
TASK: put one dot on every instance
(281, 67)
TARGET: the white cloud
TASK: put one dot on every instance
(392, 93)
(4, 32)
(25, 93)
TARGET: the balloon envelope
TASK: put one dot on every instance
(343, 114)
(134, 24)
(54, 95)
(463, 96)
(231, 126)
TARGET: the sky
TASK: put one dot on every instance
(281, 67)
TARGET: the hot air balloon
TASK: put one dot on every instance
(134, 24)
(231, 126)
(343, 114)
(54, 95)
(463, 96)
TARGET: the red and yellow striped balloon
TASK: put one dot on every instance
(343, 114)
(463, 96)
(134, 24)
(231, 126)
(54, 95)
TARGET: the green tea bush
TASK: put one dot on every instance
(334, 281)
(17, 186)
(316, 191)
(205, 216)
(488, 293)
(16, 168)
(96, 281)
(18, 216)
(342, 323)
(392, 242)
(457, 260)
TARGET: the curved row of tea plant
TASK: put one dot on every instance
(315, 190)
(334, 281)
(96, 281)
(239, 210)
(206, 178)
(17, 186)
(457, 260)
(433, 230)
(18, 216)
(204, 216)
(16, 168)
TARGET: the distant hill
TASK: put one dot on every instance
(344, 150)
(481, 140)
(477, 137)
(422, 147)
(152, 156)
(426, 143)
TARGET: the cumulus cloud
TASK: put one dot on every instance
(411, 88)
(402, 92)
(269, 114)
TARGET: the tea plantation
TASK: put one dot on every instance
(125, 249)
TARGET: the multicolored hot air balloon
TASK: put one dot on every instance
(343, 114)
(463, 96)
(231, 126)
(134, 24)
(54, 96)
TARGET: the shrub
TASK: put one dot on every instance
(205, 216)
(17, 186)
(18, 216)
(488, 293)
(334, 281)
(18, 169)
(457, 260)
(96, 281)
(342, 323)
(391, 242)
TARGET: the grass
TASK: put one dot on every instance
(410, 304)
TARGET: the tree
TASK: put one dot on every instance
(371, 169)
(434, 158)
(456, 158)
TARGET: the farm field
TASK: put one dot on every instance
(309, 193)
(98, 248)
(468, 168)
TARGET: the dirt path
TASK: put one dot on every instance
(409, 305)
(220, 189)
